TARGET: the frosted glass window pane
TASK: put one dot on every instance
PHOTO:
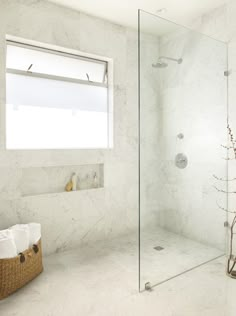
(21, 58)
(50, 128)
(24, 90)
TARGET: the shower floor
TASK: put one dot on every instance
(102, 279)
(165, 255)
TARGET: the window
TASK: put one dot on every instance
(55, 99)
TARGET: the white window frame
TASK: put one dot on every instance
(71, 53)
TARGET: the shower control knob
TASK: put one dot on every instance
(181, 161)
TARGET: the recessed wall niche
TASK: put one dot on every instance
(46, 180)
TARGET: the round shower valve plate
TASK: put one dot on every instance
(181, 161)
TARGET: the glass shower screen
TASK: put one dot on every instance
(183, 119)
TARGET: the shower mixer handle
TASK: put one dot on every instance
(181, 161)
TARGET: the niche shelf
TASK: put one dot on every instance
(39, 181)
(64, 193)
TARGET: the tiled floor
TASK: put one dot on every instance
(179, 255)
(103, 279)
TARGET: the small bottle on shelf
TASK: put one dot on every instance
(95, 180)
(74, 182)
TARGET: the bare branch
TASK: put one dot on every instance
(227, 147)
(228, 158)
(222, 179)
(232, 139)
(230, 267)
(222, 191)
(225, 210)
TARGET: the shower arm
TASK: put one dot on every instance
(169, 58)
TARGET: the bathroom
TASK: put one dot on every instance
(143, 226)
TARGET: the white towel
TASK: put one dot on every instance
(35, 233)
(21, 236)
(7, 244)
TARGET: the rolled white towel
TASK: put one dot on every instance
(35, 233)
(21, 235)
(7, 244)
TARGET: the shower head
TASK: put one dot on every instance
(180, 60)
(161, 64)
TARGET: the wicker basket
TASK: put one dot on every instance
(16, 272)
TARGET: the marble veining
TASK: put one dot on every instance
(101, 279)
(189, 98)
(68, 220)
(36, 181)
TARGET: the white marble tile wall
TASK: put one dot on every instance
(149, 131)
(193, 101)
(221, 24)
(35, 181)
(71, 219)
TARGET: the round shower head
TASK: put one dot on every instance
(160, 64)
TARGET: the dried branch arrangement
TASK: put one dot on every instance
(231, 258)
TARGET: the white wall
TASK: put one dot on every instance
(149, 130)
(69, 220)
(191, 99)
(221, 24)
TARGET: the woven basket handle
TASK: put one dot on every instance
(22, 257)
(35, 248)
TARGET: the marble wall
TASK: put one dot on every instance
(69, 220)
(191, 99)
(149, 131)
(221, 24)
